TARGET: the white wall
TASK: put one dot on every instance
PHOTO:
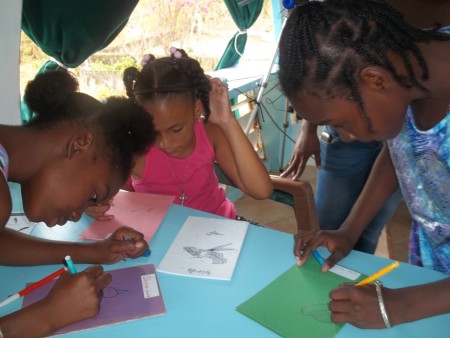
(10, 20)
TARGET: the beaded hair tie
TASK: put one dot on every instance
(146, 59)
(175, 53)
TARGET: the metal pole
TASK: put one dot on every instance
(285, 125)
(264, 83)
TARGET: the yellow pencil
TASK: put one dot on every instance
(378, 274)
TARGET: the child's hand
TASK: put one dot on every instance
(358, 305)
(98, 212)
(74, 297)
(219, 103)
(123, 243)
(338, 242)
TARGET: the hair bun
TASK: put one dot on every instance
(49, 91)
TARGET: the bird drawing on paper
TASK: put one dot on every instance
(213, 253)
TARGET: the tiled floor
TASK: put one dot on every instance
(281, 216)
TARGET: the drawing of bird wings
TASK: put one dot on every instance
(217, 257)
(220, 248)
(193, 250)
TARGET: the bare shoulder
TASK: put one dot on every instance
(214, 133)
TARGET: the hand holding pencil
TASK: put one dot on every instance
(73, 297)
(117, 246)
(361, 304)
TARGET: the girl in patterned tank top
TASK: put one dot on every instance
(359, 67)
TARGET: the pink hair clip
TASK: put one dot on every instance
(145, 59)
(175, 53)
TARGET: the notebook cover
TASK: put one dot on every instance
(134, 293)
(143, 212)
(296, 303)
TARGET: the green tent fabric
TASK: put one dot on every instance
(244, 17)
(70, 31)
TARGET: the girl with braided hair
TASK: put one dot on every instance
(359, 67)
(195, 128)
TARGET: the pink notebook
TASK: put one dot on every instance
(140, 211)
(134, 293)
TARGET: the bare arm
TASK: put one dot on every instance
(234, 152)
(73, 298)
(17, 248)
(417, 302)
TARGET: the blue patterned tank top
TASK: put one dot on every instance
(4, 162)
(422, 163)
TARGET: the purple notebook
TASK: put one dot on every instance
(133, 293)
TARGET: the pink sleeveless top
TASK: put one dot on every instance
(194, 175)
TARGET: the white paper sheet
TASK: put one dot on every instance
(20, 223)
(205, 248)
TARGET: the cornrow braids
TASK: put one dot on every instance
(325, 44)
(169, 77)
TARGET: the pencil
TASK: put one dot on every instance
(33, 286)
(379, 273)
(318, 257)
(70, 265)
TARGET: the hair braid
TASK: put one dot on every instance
(174, 76)
(200, 82)
(325, 44)
(349, 70)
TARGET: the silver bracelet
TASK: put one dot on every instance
(381, 304)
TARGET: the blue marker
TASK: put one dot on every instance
(70, 265)
(318, 257)
(146, 253)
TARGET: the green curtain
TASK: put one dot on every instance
(72, 30)
(244, 17)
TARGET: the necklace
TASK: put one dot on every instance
(183, 196)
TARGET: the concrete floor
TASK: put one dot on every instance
(393, 242)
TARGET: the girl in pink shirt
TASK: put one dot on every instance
(191, 179)
(195, 129)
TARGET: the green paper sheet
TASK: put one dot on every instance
(296, 303)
